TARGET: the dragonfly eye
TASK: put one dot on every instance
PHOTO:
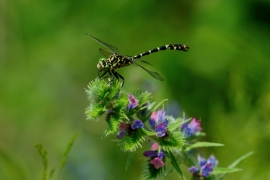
(102, 59)
(186, 48)
(101, 63)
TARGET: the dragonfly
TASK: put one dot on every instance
(114, 60)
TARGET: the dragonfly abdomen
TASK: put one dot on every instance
(179, 47)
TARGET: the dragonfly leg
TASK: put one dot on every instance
(117, 75)
(111, 75)
(100, 76)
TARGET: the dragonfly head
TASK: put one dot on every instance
(102, 63)
(186, 48)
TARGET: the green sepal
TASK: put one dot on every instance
(113, 121)
(171, 141)
(93, 112)
(132, 140)
(142, 96)
(154, 108)
(174, 124)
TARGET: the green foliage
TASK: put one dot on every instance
(113, 120)
(67, 151)
(236, 162)
(219, 170)
(105, 97)
(43, 154)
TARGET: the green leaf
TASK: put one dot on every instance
(64, 158)
(237, 162)
(203, 144)
(175, 165)
(219, 170)
(241, 159)
(129, 159)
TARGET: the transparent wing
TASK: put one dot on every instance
(105, 53)
(108, 46)
(143, 61)
(152, 73)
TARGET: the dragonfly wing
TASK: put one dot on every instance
(108, 46)
(143, 61)
(152, 73)
(105, 53)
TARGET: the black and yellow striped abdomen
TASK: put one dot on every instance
(178, 47)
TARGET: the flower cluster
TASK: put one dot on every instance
(133, 117)
(205, 167)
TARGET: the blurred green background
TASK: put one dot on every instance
(46, 62)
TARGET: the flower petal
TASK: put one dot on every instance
(137, 124)
(133, 102)
(154, 146)
(201, 161)
(193, 169)
(213, 161)
(150, 153)
(160, 116)
(161, 129)
(158, 163)
(206, 169)
(153, 120)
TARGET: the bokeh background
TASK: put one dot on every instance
(46, 62)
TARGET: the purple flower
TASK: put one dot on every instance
(205, 167)
(212, 160)
(193, 169)
(133, 102)
(201, 161)
(157, 163)
(137, 124)
(159, 123)
(156, 158)
(191, 128)
(151, 153)
(122, 130)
